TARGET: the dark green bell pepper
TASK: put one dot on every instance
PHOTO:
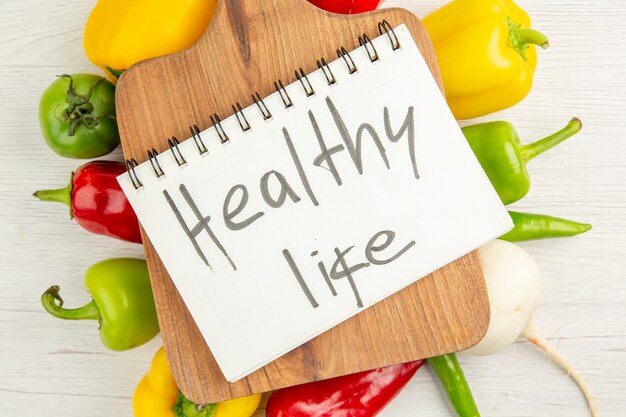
(530, 226)
(77, 116)
(503, 157)
(122, 303)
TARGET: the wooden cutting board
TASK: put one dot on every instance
(247, 47)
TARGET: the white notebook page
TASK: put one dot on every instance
(320, 211)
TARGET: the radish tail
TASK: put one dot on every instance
(555, 356)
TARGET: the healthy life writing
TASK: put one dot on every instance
(272, 197)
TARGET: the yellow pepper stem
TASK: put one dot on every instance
(520, 38)
(114, 72)
(186, 408)
(530, 36)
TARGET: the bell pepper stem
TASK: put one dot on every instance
(453, 380)
(520, 38)
(525, 37)
(184, 407)
(53, 304)
(60, 195)
(537, 148)
(115, 72)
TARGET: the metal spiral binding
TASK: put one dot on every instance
(306, 84)
(241, 118)
(256, 97)
(366, 42)
(282, 92)
(347, 58)
(384, 28)
(154, 161)
(217, 124)
(195, 134)
(178, 156)
(130, 168)
(323, 65)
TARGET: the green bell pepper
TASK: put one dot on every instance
(122, 303)
(77, 116)
(530, 226)
(503, 157)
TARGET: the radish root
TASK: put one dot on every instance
(555, 356)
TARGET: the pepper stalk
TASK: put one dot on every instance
(59, 195)
(79, 108)
(53, 304)
(183, 407)
(531, 150)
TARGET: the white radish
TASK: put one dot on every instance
(514, 286)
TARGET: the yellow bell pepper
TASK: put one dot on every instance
(157, 395)
(120, 33)
(486, 54)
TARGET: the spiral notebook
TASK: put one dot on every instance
(314, 203)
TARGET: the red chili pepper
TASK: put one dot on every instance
(346, 6)
(97, 202)
(363, 394)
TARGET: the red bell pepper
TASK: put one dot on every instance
(346, 6)
(97, 202)
(363, 394)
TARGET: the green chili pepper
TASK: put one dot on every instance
(122, 303)
(530, 226)
(453, 380)
(503, 157)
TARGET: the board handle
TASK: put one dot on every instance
(364, 41)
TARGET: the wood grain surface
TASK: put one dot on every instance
(52, 367)
(249, 45)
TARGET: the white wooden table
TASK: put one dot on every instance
(51, 367)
